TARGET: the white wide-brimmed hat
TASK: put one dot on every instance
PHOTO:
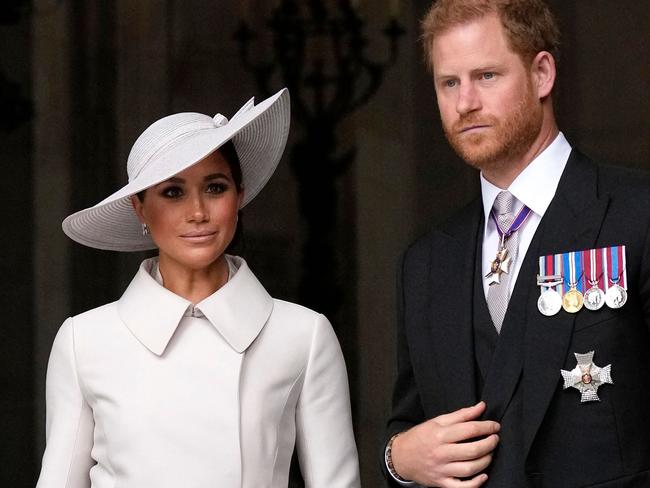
(173, 144)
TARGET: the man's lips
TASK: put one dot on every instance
(473, 127)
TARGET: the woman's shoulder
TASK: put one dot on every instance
(292, 319)
(297, 314)
(95, 315)
(94, 326)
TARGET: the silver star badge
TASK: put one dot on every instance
(586, 377)
(501, 264)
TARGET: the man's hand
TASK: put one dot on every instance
(434, 453)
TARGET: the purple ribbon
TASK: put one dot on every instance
(516, 224)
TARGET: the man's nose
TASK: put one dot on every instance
(468, 99)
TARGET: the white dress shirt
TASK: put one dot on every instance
(534, 187)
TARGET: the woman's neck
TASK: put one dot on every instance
(193, 284)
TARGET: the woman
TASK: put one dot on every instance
(195, 377)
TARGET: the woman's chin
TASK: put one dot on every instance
(197, 258)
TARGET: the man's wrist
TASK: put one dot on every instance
(388, 458)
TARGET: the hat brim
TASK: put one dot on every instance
(259, 135)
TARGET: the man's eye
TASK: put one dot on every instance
(172, 192)
(488, 75)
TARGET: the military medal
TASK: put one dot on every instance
(594, 297)
(586, 377)
(502, 262)
(550, 301)
(572, 300)
(616, 294)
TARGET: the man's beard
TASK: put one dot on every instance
(505, 140)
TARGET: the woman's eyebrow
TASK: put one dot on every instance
(214, 176)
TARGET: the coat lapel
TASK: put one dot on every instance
(572, 222)
(450, 307)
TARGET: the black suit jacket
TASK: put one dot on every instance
(566, 443)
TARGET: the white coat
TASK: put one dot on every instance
(140, 393)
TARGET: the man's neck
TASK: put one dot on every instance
(505, 173)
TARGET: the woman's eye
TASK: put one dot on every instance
(217, 187)
(172, 192)
(450, 83)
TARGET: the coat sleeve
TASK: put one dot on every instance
(69, 424)
(407, 407)
(325, 439)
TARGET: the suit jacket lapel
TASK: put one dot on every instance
(572, 222)
(450, 310)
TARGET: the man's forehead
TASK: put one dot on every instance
(478, 42)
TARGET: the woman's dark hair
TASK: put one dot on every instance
(229, 153)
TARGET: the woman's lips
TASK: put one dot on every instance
(198, 236)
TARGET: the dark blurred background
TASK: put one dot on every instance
(366, 169)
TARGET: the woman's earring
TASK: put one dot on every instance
(145, 230)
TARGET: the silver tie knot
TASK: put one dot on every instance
(503, 209)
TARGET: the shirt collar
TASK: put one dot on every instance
(535, 186)
(238, 310)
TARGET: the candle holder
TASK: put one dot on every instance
(319, 53)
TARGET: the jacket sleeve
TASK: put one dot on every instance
(407, 407)
(69, 425)
(325, 439)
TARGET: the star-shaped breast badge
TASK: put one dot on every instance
(501, 264)
(586, 377)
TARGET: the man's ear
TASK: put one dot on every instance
(138, 207)
(543, 74)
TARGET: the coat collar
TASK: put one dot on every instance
(238, 310)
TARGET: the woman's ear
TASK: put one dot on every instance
(242, 192)
(138, 207)
(543, 74)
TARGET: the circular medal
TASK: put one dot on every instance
(594, 298)
(549, 302)
(572, 301)
(616, 296)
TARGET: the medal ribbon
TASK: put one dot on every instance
(616, 266)
(551, 265)
(558, 270)
(572, 261)
(516, 224)
(542, 270)
(593, 262)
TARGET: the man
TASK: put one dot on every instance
(512, 372)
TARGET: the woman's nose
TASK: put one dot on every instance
(198, 211)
